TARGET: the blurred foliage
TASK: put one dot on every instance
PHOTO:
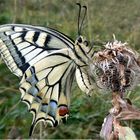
(104, 18)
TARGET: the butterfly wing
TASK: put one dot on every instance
(84, 81)
(45, 88)
(41, 56)
(23, 45)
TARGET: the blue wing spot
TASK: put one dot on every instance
(52, 108)
(44, 108)
(33, 91)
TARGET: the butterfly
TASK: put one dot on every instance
(46, 61)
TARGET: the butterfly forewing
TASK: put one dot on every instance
(21, 46)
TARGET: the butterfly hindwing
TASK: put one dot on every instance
(45, 87)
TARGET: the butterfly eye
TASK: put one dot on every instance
(79, 40)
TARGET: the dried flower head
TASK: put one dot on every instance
(117, 67)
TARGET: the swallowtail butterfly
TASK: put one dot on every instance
(46, 61)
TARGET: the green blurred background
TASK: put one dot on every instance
(105, 17)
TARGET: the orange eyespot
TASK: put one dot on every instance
(63, 110)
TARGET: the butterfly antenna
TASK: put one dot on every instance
(85, 12)
(79, 14)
